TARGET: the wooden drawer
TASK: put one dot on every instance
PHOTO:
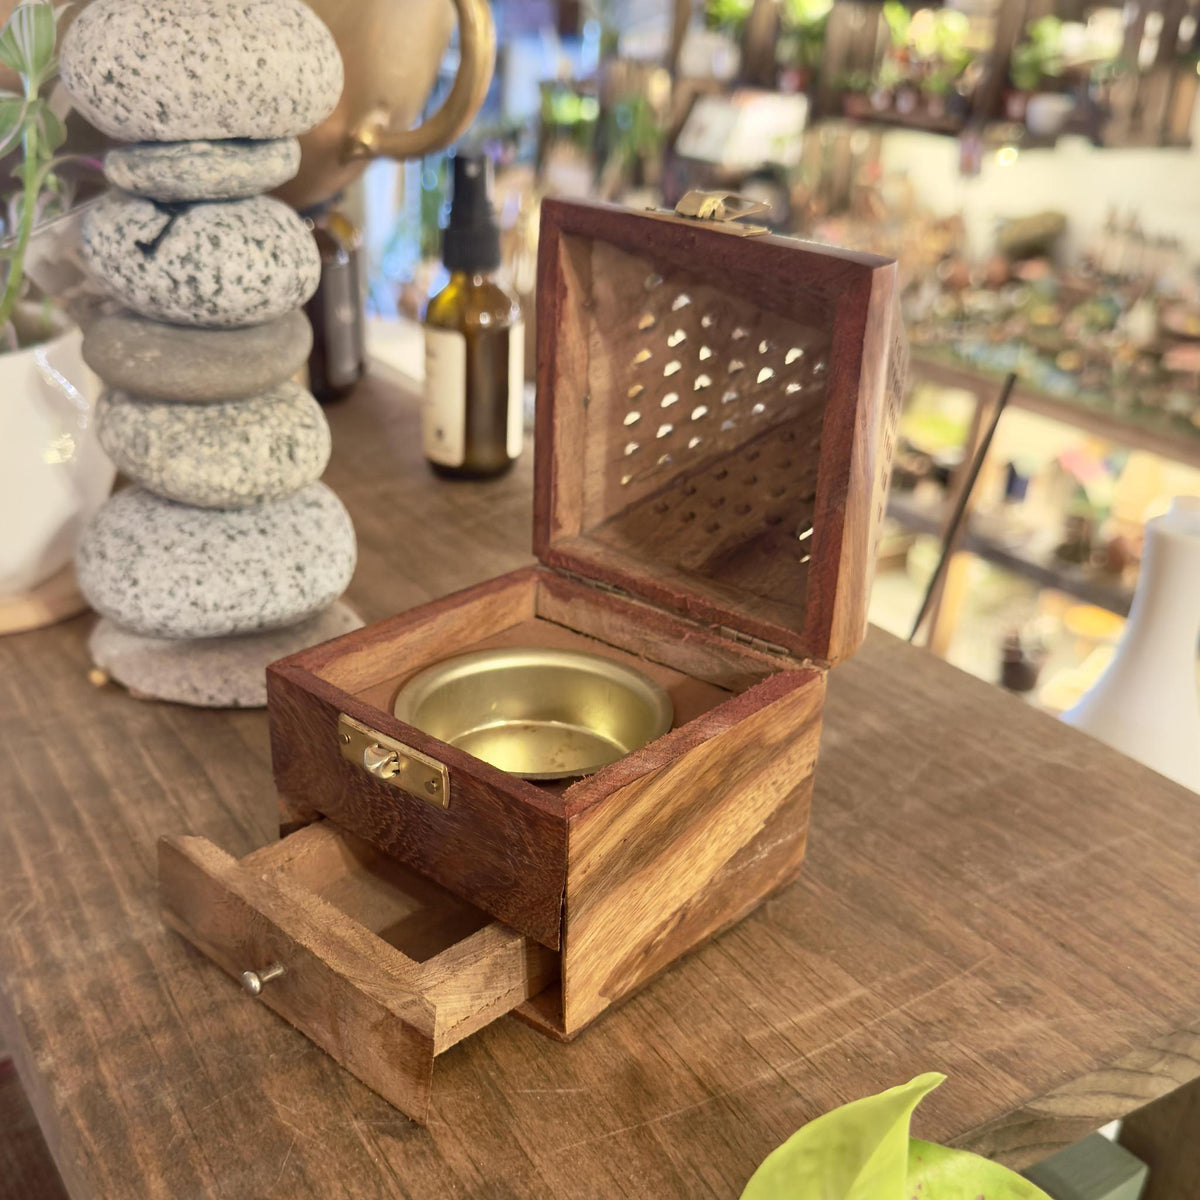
(380, 967)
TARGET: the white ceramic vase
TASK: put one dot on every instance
(53, 474)
(1146, 704)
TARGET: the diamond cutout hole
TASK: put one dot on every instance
(736, 365)
(765, 374)
(665, 431)
(705, 353)
(676, 338)
(702, 381)
(701, 410)
(643, 355)
(794, 353)
(680, 301)
(632, 418)
(631, 448)
(672, 368)
(669, 399)
(647, 321)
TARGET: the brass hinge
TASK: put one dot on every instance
(755, 643)
(723, 211)
(599, 585)
(393, 762)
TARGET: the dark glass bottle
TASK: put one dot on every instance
(473, 416)
(335, 311)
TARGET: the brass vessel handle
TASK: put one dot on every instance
(371, 138)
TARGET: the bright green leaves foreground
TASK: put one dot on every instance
(863, 1151)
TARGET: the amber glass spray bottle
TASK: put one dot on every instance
(473, 415)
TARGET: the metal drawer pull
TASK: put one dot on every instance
(255, 981)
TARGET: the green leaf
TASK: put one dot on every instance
(27, 43)
(12, 121)
(856, 1152)
(52, 131)
(940, 1173)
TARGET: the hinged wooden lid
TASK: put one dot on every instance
(716, 417)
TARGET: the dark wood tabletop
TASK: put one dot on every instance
(987, 893)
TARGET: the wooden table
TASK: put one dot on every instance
(987, 893)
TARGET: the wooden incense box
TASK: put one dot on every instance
(715, 422)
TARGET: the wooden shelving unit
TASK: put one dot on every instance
(1171, 437)
(1033, 561)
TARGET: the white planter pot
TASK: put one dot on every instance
(53, 474)
(1146, 703)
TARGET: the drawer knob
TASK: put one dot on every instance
(255, 981)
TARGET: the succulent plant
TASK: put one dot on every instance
(27, 47)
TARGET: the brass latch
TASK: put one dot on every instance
(722, 210)
(393, 762)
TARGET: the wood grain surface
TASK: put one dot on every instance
(985, 892)
(667, 860)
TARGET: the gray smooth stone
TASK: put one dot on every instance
(173, 70)
(223, 672)
(218, 264)
(228, 455)
(170, 570)
(229, 170)
(173, 362)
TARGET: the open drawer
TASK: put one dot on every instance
(380, 967)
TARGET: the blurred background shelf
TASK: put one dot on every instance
(1033, 560)
(1172, 437)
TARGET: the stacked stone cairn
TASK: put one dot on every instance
(227, 553)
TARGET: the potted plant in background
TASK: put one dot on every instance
(1036, 58)
(53, 474)
(802, 40)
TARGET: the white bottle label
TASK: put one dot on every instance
(516, 390)
(444, 413)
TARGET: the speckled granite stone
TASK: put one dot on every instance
(223, 672)
(173, 70)
(170, 570)
(173, 362)
(227, 455)
(228, 170)
(217, 264)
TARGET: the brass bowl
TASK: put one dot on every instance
(537, 713)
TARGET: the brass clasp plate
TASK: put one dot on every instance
(722, 210)
(393, 762)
